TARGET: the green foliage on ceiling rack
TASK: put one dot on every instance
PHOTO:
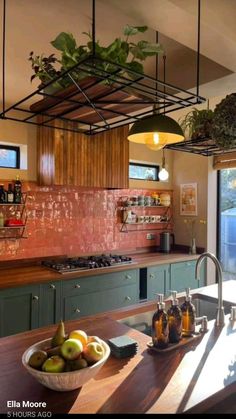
(121, 51)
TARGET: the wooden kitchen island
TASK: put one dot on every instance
(198, 377)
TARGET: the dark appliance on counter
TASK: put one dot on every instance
(165, 241)
(85, 263)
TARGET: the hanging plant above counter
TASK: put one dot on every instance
(224, 123)
(120, 51)
(197, 123)
(216, 129)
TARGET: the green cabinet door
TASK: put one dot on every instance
(182, 275)
(157, 281)
(50, 303)
(19, 309)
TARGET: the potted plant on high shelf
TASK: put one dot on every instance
(68, 75)
(216, 127)
(197, 124)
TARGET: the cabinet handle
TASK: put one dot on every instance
(152, 276)
(52, 286)
(77, 310)
(77, 286)
(35, 298)
(127, 276)
(127, 298)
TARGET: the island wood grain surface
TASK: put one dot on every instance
(203, 372)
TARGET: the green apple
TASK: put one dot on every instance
(71, 349)
(54, 364)
(93, 352)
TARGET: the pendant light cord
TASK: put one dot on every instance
(4, 57)
(198, 46)
(164, 79)
(93, 26)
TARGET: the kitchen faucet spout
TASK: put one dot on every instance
(220, 315)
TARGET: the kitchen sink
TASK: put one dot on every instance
(205, 306)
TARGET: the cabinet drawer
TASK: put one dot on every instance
(88, 304)
(99, 282)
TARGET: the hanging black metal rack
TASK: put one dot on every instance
(203, 146)
(101, 101)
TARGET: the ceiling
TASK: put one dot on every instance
(32, 24)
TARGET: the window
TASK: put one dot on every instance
(143, 171)
(9, 157)
(227, 221)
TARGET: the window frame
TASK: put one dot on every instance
(12, 148)
(147, 165)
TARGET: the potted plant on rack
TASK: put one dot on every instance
(98, 78)
(197, 124)
(120, 51)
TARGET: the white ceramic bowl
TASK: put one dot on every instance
(64, 381)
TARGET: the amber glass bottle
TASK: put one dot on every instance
(174, 320)
(188, 315)
(160, 328)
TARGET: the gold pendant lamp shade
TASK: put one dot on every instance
(156, 131)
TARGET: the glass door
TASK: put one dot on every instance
(227, 222)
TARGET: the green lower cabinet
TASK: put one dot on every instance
(182, 275)
(50, 303)
(19, 309)
(76, 303)
(158, 279)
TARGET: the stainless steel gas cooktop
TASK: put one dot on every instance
(85, 263)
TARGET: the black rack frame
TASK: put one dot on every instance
(202, 146)
(149, 92)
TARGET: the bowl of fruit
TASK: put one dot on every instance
(66, 362)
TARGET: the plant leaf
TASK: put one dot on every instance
(136, 66)
(133, 30)
(64, 42)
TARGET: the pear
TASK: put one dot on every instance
(37, 359)
(54, 351)
(59, 337)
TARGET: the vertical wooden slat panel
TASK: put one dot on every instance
(69, 158)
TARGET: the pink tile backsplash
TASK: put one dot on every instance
(74, 221)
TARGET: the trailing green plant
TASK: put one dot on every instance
(224, 122)
(120, 51)
(197, 123)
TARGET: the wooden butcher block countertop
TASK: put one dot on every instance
(35, 274)
(193, 378)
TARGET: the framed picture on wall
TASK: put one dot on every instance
(188, 199)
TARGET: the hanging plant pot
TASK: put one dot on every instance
(224, 123)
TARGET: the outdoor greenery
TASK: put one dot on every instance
(228, 189)
(121, 51)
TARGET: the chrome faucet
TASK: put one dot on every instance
(220, 315)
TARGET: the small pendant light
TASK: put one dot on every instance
(163, 174)
(156, 130)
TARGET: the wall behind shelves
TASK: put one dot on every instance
(75, 221)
